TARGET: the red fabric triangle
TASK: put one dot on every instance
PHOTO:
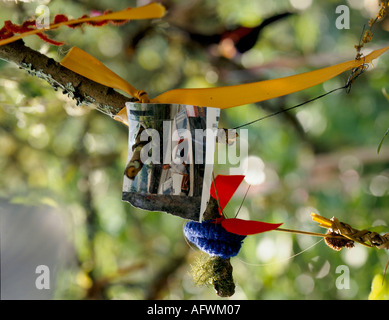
(247, 227)
(226, 187)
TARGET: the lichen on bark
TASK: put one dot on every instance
(84, 91)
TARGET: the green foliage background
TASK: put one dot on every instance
(321, 157)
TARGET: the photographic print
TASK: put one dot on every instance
(194, 157)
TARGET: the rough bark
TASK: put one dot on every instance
(82, 90)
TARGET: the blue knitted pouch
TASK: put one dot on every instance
(213, 239)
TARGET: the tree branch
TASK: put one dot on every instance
(110, 102)
(80, 89)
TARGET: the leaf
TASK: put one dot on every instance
(379, 289)
(386, 95)
(382, 140)
(226, 187)
(247, 227)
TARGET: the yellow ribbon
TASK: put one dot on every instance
(86, 65)
(89, 67)
(219, 97)
(150, 11)
(232, 96)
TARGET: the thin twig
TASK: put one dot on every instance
(217, 196)
(241, 204)
(309, 233)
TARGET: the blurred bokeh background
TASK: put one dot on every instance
(62, 166)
